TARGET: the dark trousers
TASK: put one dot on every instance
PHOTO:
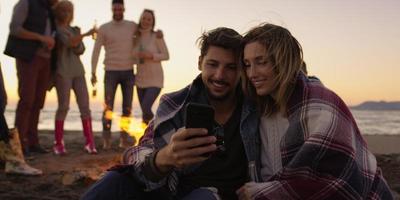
(121, 186)
(111, 81)
(33, 80)
(147, 96)
(3, 102)
(3, 129)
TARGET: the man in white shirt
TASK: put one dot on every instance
(117, 38)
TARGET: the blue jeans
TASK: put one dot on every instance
(111, 80)
(120, 186)
(147, 96)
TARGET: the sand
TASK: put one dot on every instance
(65, 177)
(68, 177)
(383, 144)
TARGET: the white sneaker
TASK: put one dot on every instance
(22, 169)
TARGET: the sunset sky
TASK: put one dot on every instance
(353, 46)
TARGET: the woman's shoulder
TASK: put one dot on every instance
(75, 30)
(69, 30)
(310, 93)
(153, 36)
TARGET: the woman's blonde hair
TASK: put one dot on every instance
(286, 56)
(137, 35)
(61, 16)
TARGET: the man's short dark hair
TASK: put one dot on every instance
(118, 1)
(223, 37)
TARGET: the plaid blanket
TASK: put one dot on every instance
(169, 118)
(323, 153)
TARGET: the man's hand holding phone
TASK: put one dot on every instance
(187, 146)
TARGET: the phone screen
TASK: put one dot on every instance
(199, 116)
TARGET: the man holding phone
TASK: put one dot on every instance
(172, 161)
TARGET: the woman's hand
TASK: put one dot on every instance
(48, 41)
(159, 34)
(91, 32)
(145, 55)
(246, 191)
(75, 40)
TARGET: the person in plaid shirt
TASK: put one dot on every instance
(311, 147)
(170, 161)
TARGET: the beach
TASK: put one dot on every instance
(69, 176)
(383, 144)
(64, 177)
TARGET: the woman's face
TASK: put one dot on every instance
(65, 13)
(146, 22)
(259, 69)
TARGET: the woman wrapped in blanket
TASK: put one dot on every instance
(311, 147)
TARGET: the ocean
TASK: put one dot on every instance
(378, 122)
(370, 122)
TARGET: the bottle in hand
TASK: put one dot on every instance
(94, 91)
(94, 35)
(141, 48)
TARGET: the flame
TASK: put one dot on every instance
(134, 127)
(109, 115)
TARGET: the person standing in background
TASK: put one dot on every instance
(149, 51)
(10, 146)
(3, 103)
(70, 74)
(31, 43)
(117, 38)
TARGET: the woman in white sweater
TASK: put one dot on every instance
(149, 50)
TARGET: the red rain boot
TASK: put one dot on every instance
(90, 147)
(58, 147)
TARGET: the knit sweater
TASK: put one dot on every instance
(69, 65)
(117, 39)
(150, 73)
(323, 153)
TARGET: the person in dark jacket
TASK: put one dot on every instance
(3, 103)
(31, 43)
(10, 147)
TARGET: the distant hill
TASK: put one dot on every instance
(378, 105)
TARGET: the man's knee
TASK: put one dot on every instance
(121, 186)
(111, 186)
(202, 194)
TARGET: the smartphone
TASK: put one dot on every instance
(199, 116)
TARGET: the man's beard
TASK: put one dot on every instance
(218, 98)
(118, 17)
(52, 2)
(221, 98)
